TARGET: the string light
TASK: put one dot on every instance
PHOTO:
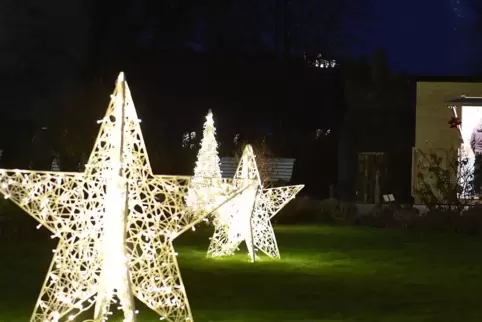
(247, 216)
(207, 166)
(116, 223)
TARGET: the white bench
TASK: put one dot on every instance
(279, 169)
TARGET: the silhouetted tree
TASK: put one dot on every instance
(41, 53)
(317, 26)
(283, 27)
(379, 118)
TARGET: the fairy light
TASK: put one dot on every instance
(100, 217)
(247, 216)
(207, 167)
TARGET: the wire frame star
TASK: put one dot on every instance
(116, 223)
(247, 216)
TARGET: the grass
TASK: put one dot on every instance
(326, 274)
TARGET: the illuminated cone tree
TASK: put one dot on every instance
(207, 165)
(247, 216)
(115, 222)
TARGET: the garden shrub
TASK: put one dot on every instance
(297, 211)
(390, 216)
(286, 215)
(9, 222)
(346, 213)
(380, 216)
(326, 210)
(440, 220)
(334, 211)
(470, 221)
(406, 216)
(17, 224)
(442, 178)
(304, 210)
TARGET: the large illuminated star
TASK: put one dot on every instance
(247, 216)
(116, 222)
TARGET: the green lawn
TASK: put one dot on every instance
(325, 274)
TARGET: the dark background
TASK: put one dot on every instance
(254, 63)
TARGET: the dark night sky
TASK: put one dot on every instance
(46, 48)
(422, 37)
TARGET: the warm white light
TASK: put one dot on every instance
(247, 216)
(115, 222)
(207, 166)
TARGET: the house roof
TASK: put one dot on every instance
(446, 79)
(466, 100)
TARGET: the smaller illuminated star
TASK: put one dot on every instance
(247, 216)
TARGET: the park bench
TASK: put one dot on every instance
(279, 169)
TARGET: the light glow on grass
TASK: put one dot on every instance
(347, 274)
